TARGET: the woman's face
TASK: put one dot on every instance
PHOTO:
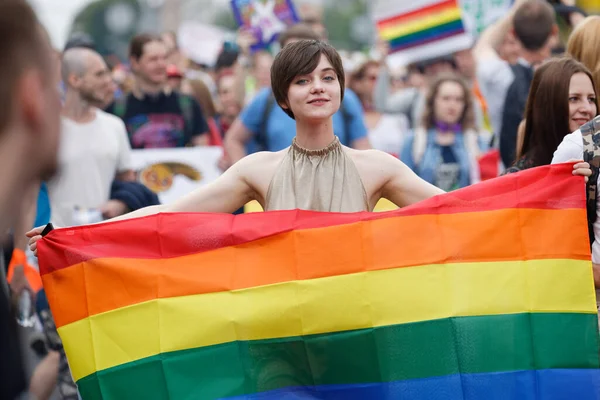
(315, 95)
(582, 96)
(449, 103)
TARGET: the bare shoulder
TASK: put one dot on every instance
(260, 161)
(384, 175)
(376, 169)
(374, 160)
(257, 170)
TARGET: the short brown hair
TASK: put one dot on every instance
(23, 44)
(301, 58)
(137, 43)
(547, 109)
(467, 119)
(298, 31)
(533, 23)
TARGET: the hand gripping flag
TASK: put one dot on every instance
(483, 293)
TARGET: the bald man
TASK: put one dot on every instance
(94, 147)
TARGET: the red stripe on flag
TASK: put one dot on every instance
(535, 188)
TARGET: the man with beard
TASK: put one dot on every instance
(94, 148)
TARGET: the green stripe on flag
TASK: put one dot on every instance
(408, 351)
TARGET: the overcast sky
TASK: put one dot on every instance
(57, 16)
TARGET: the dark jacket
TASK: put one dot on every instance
(133, 194)
(514, 110)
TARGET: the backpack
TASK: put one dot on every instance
(185, 105)
(261, 136)
(590, 133)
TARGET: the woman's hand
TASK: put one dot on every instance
(34, 235)
(581, 168)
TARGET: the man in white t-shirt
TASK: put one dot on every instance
(94, 147)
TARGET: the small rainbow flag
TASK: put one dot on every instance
(483, 293)
(422, 28)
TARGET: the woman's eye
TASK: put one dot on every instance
(329, 78)
(592, 99)
(301, 81)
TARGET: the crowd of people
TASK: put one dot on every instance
(309, 127)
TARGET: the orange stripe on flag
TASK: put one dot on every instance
(298, 255)
(182, 234)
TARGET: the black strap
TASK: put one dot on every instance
(261, 135)
(187, 112)
(590, 133)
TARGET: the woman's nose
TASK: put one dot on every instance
(317, 86)
(589, 108)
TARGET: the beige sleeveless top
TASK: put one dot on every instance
(317, 180)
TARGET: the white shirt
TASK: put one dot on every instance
(90, 155)
(494, 76)
(571, 148)
(388, 135)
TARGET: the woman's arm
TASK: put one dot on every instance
(404, 187)
(226, 194)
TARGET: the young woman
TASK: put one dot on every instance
(561, 99)
(316, 172)
(444, 148)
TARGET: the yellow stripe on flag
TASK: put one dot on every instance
(421, 24)
(382, 205)
(331, 304)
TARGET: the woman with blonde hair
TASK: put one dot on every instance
(445, 147)
(584, 44)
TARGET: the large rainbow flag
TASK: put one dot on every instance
(483, 293)
(421, 29)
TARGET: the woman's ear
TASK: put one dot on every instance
(284, 106)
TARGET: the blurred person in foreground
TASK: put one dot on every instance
(29, 130)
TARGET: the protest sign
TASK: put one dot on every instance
(421, 29)
(265, 19)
